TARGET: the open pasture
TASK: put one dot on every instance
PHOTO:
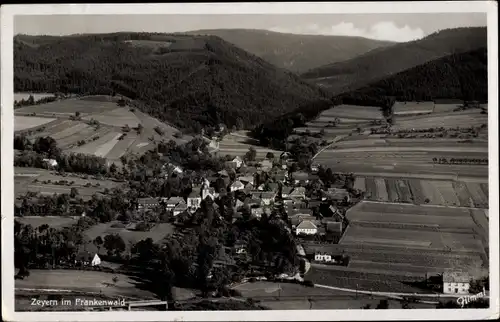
(118, 117)
(421, 191)
(412, 239)
(354, 112)
(157, 233)
(84, 281)
(409, 108)
(67, 107)
(28, 122)
(36, 96)
(445, 120)
(238, 144)
(52, 221)
(149, 123)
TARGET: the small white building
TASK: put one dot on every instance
(456, 283)
(194, 200)
(50, 162)
(306, 227)
(237, 185)
(238, 161)
(96, 261)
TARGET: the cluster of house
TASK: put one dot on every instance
(282, 188)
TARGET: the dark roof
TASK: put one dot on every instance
(195, 194)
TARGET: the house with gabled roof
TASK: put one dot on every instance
(266, 165)
(298, 193)
(237, 185)
(299, 176)
(285, 191)
(306, 227)
(223, 173)
(194, 200)
(171, 202)
(147, 203)
(268, 197)
(456, 282)
(179, 209)
(246, 179)
(238, 161)
(209, 192)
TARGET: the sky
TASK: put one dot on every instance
(392, 27)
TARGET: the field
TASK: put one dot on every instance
(238, 144)
(45, 182)
(52, 221)
(403, 108)
(287, 296)
(26, 122)
(445, 119)
(84, 281)
(36, 96)
(424, 191)
(81, 136)
(130, 237)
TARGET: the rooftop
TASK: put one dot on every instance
(306, 224)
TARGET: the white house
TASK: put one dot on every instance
(194, 200)
(50, 162)
(306, 227)
(237, 185)
(314, 167)
(209, 192)
(324, 258)
(238, 161)
(456, 283)
(96, 261)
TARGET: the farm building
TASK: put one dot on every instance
(194, 199)
(238, 161)
(299, 176)
(298, 193)
(285, 191)
(96, 261)
(147, 203)
(246, 179)
(306, 227)
(179, 209)
(237, 185)
(315, 167)
(267, 197)
(50, 162)
(456, 283)
(336, 194)
(172, 202)
(409, 108)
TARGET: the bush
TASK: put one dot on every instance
(118, 225)
(308, 283)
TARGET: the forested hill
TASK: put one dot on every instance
(190, 81)
(298, 53)
(379, 63)
(461, 76)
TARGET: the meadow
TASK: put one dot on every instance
(238, 143)
(108, 139)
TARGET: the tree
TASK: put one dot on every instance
(98, 242)
(73, 192)
(114, 244)
(270, 155)
(251, 154)
(139, 128)
(77, 114)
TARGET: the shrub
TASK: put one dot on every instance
(308, 283)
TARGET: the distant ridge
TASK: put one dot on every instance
(379, 63)
(295, 52)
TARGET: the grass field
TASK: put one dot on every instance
(52, 221)
(102, 141)
(37, 180)
(28, 122)
(37, 96)
(446, 192)
(157, 233)
(84, 281)
(238, 144)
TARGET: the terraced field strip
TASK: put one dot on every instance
(432, 193)
(371, 188)
(360, 183)
(485, 188)
(104, 149)
(477, 194)
(121, 147)
(117, 117)
(357, 143)
(84, 134)
(395, 268)
(416, 191)
(74, 129)
(28, 122)
(459, 149)
(93, 147)
(410, 219)
(399, 208)
(404, 192)
(392, 190)
(381, 189)
(353, 111)
(56, 126)
(446, 189)
(69, 107)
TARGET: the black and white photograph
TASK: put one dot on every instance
(250, 161)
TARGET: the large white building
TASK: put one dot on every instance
(456, 283)
(306, 227)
